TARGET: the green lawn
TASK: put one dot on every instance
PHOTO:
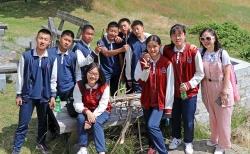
(25, 19)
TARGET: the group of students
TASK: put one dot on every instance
(161, 73)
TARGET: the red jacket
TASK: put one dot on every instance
(185, 69)
(91, 97)
(155, 89)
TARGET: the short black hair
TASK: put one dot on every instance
(69, 33)
(137, 22)
(113, 24)
(124, 20)
(45, 31)
(101, 81)
(88, 26)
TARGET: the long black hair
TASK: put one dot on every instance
(217, 44)
(176, 28)
(101, 81)
(154, 38)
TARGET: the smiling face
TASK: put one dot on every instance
(153, 49)
(124, 27)
(43, 41)
(93, 76)
(112, 33)
(207, 40)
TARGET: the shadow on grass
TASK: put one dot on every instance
(43, 9)
(7, 137)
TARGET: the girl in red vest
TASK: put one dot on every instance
(188, 72)
(91, 101)
(155, 75)
(217, 91)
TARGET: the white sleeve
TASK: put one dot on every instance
(103, 103)
(225, 58)
(78, 104)
(82, 60)
(19, 82)
(128, 59)
(53, 80)
(141, 74)
(199, 72)
(78, 72)
(170, 87)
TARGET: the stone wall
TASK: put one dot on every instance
(242, 70)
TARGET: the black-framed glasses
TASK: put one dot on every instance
(208, 38)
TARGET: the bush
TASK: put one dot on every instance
(232, 37)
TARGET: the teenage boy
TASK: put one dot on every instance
(137, 45)
(66, 64)
(36, 86)
(85, 55)
(110, 56)
(124, 31)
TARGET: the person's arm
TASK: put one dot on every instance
(78, 104)
(19, 82)
(103, 103)
(169, 99)
(53, 80)
(53, 85)
(128, 60)
(141, 73)
(199, 73)
(109, 53)
(82, 60)
(227, 68)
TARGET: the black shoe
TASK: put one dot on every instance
(51, 136)
(43, 148)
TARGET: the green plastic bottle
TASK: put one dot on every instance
(183, 95)
(58, 104)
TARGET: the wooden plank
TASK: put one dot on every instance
(8, 68)
(70, 18)
(60, 27)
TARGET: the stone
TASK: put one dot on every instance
(2, 82)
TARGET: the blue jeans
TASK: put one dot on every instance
(184, 110)
(25, 113)
(112, 80)
(153, 118)
(97, 129)
(136, 87)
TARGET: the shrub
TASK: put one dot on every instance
(232, 37)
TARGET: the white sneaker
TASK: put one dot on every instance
(210, 143)
(219, 150)
(174, 144)
(189, 148)
(83, 150)
(101, 152)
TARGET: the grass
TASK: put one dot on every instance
(25, 19)
(9, 119)
(157, 16)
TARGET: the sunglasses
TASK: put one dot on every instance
(206, 38)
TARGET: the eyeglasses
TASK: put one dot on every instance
(94, 74)
(206, 38)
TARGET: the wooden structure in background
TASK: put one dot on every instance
(64, 16)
